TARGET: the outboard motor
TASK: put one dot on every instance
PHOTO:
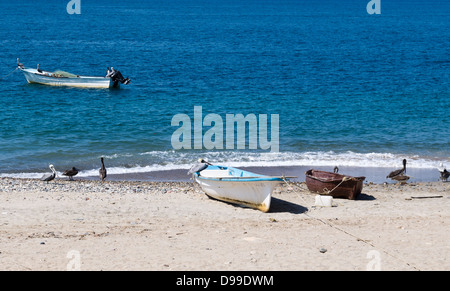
(117, 77)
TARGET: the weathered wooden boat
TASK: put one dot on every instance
(334, 184)
(237, 186)
(113, 78)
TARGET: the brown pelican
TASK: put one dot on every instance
(399, 172)
(401, 178)
(70, 173)
(102, 170)
(444, 173)
(110, 73)
(49, 177)
(20, 65)
(200, 166)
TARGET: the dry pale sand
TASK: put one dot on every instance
(88, 225)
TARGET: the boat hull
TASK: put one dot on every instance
(327, 183)
(254, 192)
(33, 76)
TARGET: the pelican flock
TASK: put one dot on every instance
(397, 175)
(72, 172)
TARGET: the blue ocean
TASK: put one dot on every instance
(350, 88)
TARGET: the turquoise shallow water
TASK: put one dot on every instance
(349, 88)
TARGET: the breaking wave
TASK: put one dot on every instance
(172, 160)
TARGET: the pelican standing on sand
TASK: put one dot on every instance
(444, 173)
(70, 173)
(399, 172)
(49, 177)
(401, 178)
(200, 166)
(102, 170)
(399, 175)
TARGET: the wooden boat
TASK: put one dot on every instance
(61, 78)
(237, 186)
(334, 184)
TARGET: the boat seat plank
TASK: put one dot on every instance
(215, 173)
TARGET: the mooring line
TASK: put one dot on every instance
(348, 233)
(362, 240)
(9, 74)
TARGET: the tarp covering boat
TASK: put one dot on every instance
(63, 74)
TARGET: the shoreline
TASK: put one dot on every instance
(373, 175)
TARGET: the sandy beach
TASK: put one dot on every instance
(116, 225)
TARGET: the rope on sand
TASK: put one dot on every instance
(364, 241)
(346, 232)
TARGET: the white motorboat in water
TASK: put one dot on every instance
(237, 186)
(113, 78)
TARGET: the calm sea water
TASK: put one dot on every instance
(349, 88)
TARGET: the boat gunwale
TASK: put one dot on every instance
(333, 177)
(241, 179)
(256, 178)
(37, 73)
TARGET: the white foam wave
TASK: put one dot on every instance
(173, 160)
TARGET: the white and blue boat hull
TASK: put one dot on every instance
(45, 78)
(237, 186)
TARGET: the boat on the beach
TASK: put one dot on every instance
(113, 78)
(334, 184)
(237, 186)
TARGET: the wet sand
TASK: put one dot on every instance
(116, 225)
(375, 175)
